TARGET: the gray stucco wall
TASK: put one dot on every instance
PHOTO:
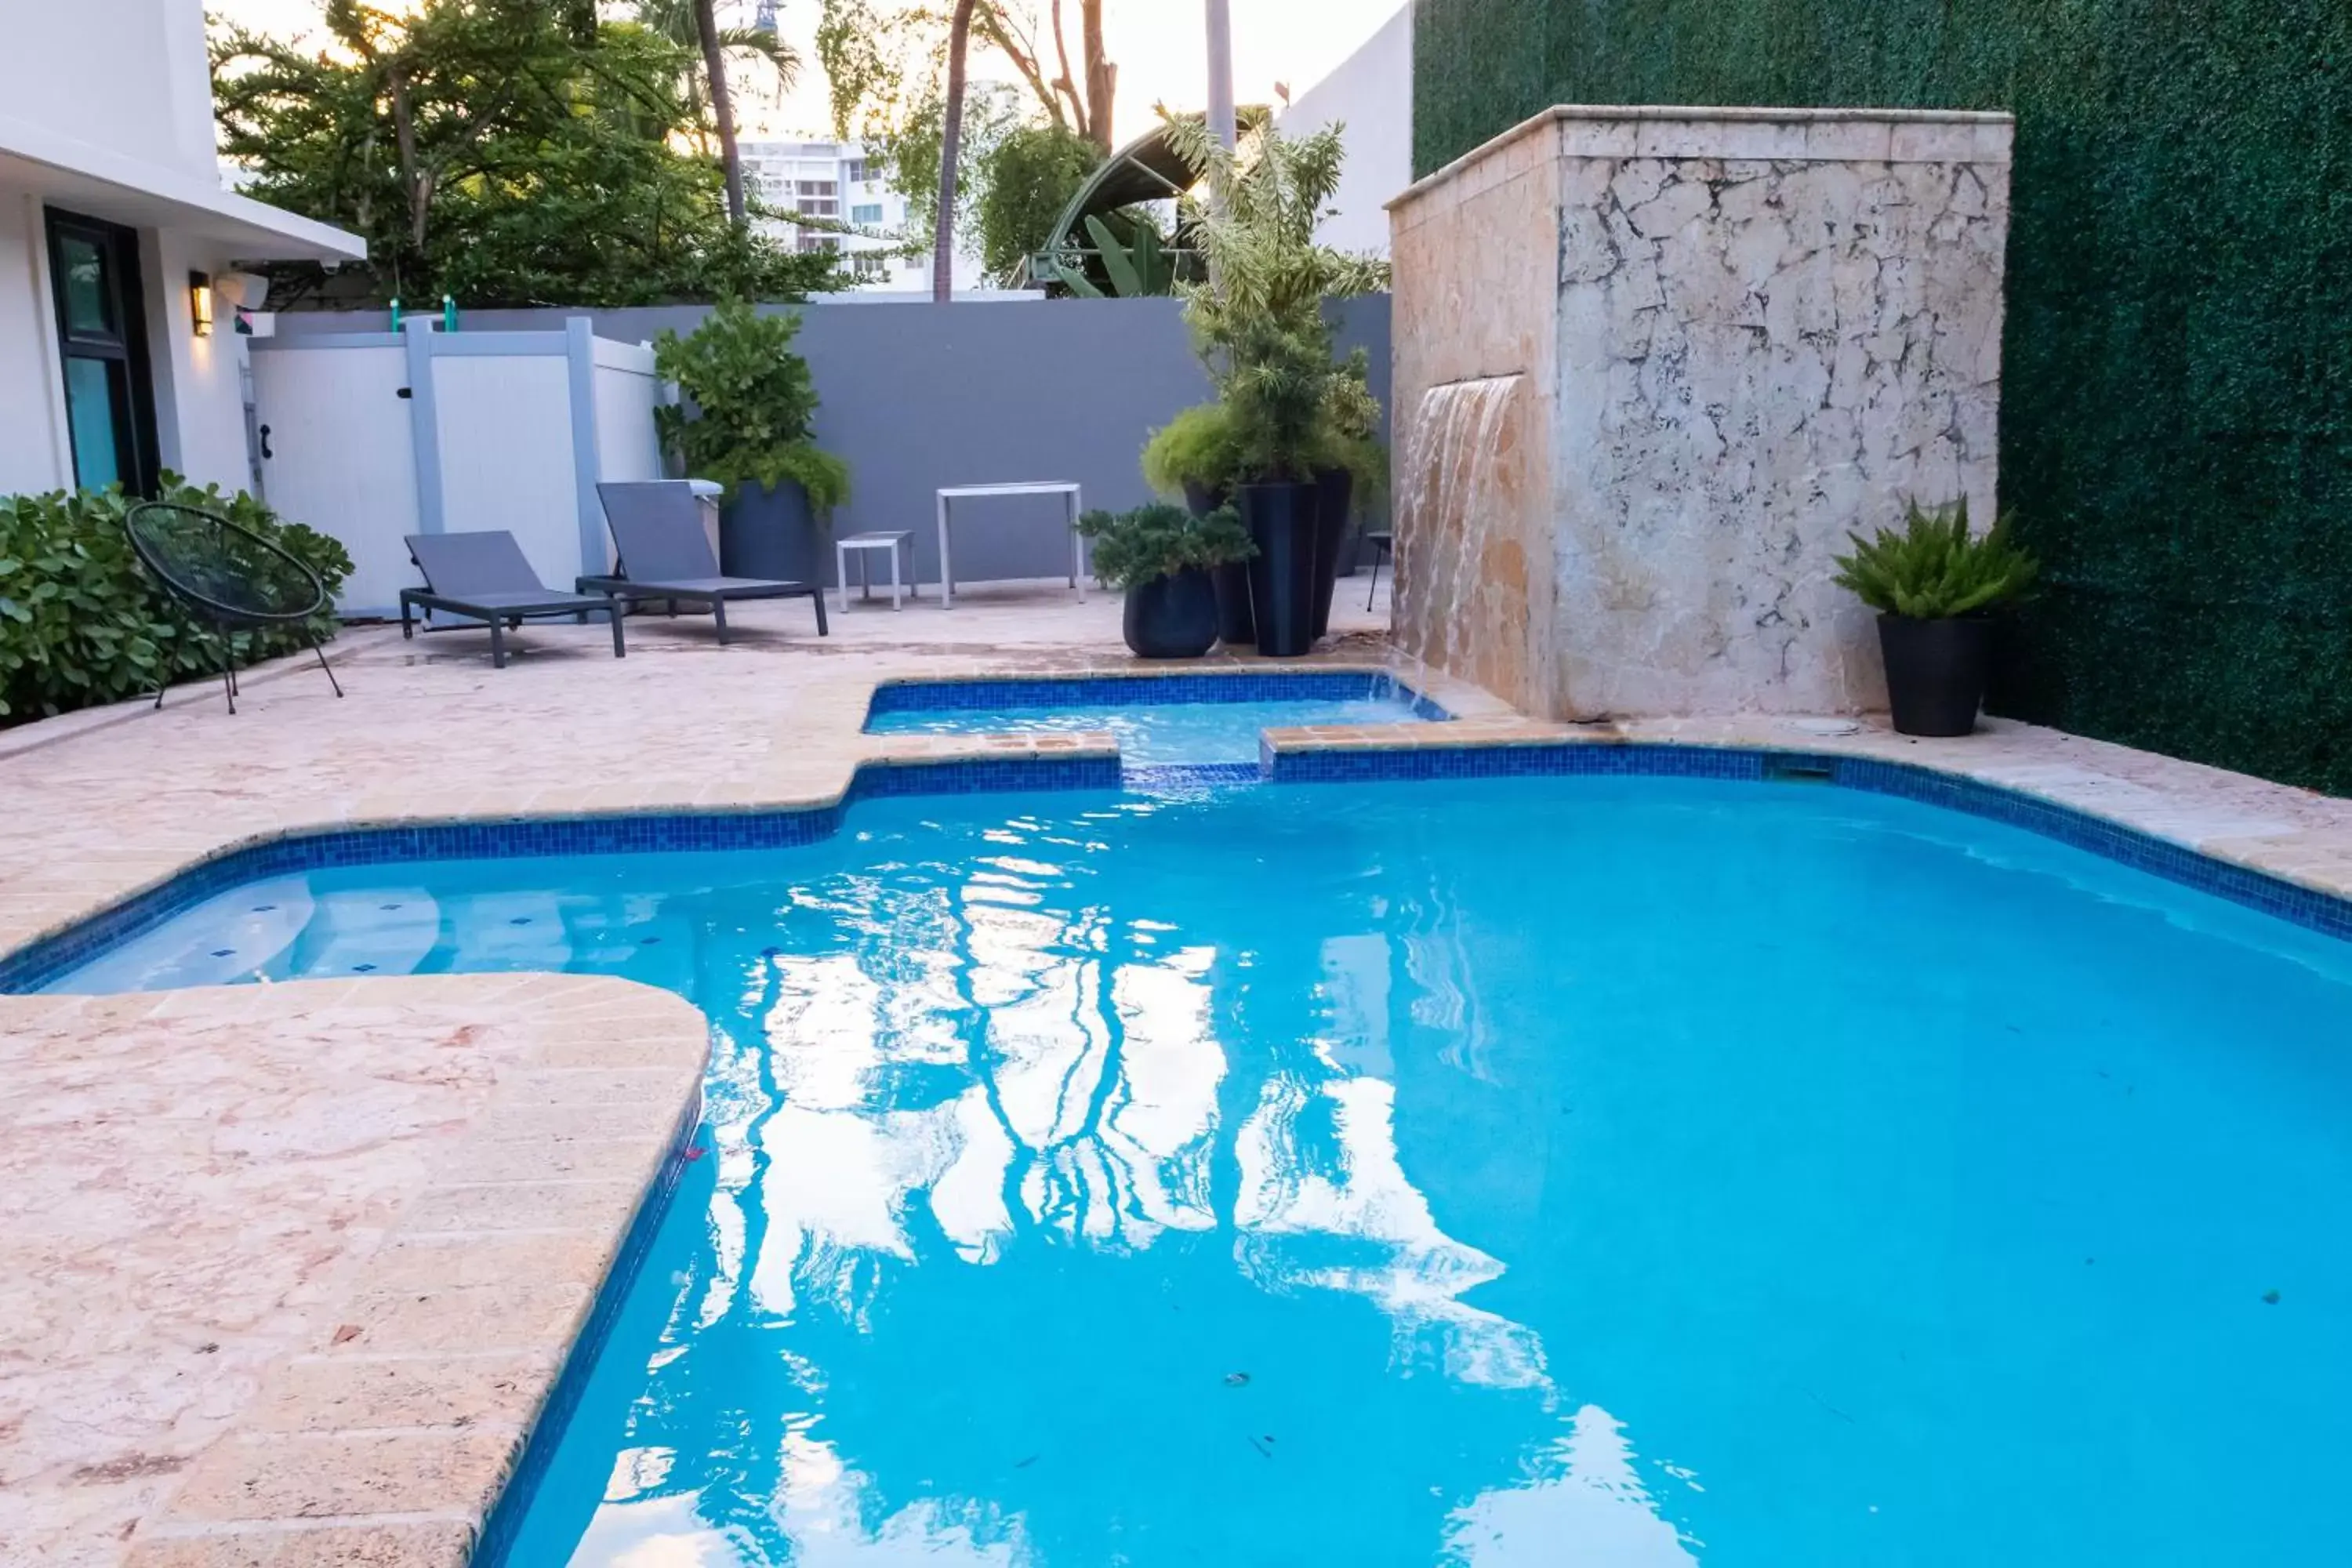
(916, 395)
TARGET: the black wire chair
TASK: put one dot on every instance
(228, 574)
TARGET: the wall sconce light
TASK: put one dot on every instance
(200, 303)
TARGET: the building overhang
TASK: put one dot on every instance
(101, 183)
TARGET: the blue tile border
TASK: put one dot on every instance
(503, 1527)
(990, 693)
(36, 965)
(2327, 913)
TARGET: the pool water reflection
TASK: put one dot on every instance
(1512, 1173)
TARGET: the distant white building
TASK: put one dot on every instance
(118, 248)
(834, 181)
(1371, 93)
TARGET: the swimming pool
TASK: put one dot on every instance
(1160, 721)
(1625, 1171)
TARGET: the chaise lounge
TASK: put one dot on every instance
(484, 578)
(666, 557)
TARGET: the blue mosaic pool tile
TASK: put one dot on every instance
(504, 1525)
(1150, 691)
(2309, 908)
(31, 967)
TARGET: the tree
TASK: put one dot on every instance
(722, 107)
(950, 143)
(760, 48)
(489, 150)
(886, 61)
(883, 57)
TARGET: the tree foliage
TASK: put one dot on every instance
(1022, 150)
(496, 151)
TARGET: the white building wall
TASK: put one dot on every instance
(106, 110)
(129, 76)
(34, 453)
(775, 171)
(1371, 94)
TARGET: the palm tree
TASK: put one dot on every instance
(694, 25)
(951, 146)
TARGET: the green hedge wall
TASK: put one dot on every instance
(2177, 397)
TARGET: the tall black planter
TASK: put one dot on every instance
(1281, 521)
(1935, 672)
(1173, 617)
(1234, 627)
(770, 533)
(1335, 489)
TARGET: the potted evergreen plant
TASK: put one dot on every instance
(1259, 328)
(1193, 455)
(745, 423)
(1932, 582)
(1160, 556)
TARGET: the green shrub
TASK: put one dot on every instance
(1197, 445)
(752, 400)
(1132, 548)
(81, 623)
(1934, 570)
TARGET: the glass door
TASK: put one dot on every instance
(102, 343)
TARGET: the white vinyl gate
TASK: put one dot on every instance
(371, 437)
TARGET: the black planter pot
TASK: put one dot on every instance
(770, 533)
(1935, 672)
(1335, 489)
(1281, 519)
(1234, 627)
(1173, 617)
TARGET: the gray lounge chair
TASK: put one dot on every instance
(484, 578)
(666, 557)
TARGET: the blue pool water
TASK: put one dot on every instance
(1551, 1172)
(1211, 722)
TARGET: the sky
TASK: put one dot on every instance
(1158, 45)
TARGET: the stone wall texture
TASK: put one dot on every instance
(1653, 366)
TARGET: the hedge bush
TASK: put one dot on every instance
(81, 623)
(2176, 431)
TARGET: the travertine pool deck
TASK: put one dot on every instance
(287, 1271)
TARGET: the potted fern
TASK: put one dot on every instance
(1932, 582)
(745, 424)
(1160, 556)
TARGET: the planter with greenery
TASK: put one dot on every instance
(81, 621)
(1259, 327)
(1160, 556)
(745, 423)
(1193, 456)
(1932, 584)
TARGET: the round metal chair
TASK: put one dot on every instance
(229, 576)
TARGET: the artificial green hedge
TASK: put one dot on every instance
(2176, 392)
(81, 621)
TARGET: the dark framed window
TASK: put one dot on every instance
(102, 347)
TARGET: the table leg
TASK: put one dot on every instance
(865, 576)
(841, 573)
(894, 567)
(947, 569)
(1078, 549)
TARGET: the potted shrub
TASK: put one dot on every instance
(1193, 455)
(1160, 556)
(1351, 471)
(1932, 582)
(1259, 328)
(745, 423)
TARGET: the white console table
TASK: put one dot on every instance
(1068, 489)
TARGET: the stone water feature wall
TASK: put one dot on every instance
(1653, 364)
